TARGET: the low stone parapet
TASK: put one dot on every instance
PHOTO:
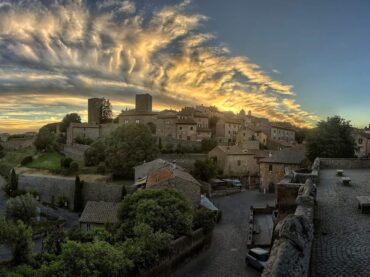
(293, 237)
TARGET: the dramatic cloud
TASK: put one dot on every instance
(56, 54)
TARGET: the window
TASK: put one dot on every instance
(270, 167)
(126, 121)
(180, 128)
(137, 121)
(239, 162)
(188, 137)
(191, 128)
(360, 141)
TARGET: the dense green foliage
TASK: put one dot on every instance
(204, 170)
(162, 209)
(13, 158)
(106, 112)
(22, 207)
(2, 153)
(95, 154)
(45, 140)
(19, 237)
(84, 140)
(12, 185)
(67, 120)
(26, 160)
(146, 247)
(208, 145)
(205, 219)
(331, 139)
(128, 146)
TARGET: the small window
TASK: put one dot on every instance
(137, 121)
(360, 141)
(180, 128)
(239, 162)
(191, 128)
(270, 167)
(188, 137)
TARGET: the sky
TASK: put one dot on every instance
(294, 61)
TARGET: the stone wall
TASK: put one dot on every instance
(101, 192)
(293, 237)
(50, 188)
(338, 163)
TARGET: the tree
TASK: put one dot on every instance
(204, 218)
(53, 242)
(12, 185)
(331, 139)
(67, 120)
(2, 153)
(78, 200)
(162, 209)
(89, 259)
(45, 140)
(147, 246)
(208, 144)
(19, 237)
(160, 146)
(106, 112)
(95, 154)
(23, 207)
(205, 170)
(301, 135)
(128, 146)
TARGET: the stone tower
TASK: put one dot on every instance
(94, 110)
(143, 103)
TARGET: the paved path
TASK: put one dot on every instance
(225, 257)
(342, 241)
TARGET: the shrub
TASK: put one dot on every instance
(168, 148)
(147, 246)
(65, 162)
(203, 218)
(95, 154)
(204, 170)
(23, 207)
(73, 167)
(61, 202)
(78, 200)
(83, 140)
(26, 160)
(208, 145)
(162, 209)
(12, 185)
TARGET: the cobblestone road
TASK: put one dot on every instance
(342, 241)
(225, 257)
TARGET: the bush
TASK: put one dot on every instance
(162, 209)
(12, 185)
(83, 140)
(208, 145)
(73, 168)
(95, 154)
(61, 202)
(147, 247)
(22, 207)
(65, 162)
(26, 160)
(78, 200)
(168, 148)
(204, 218)
(205, 170)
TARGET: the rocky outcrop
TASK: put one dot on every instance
(293, 236)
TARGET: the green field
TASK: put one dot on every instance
(47, 161)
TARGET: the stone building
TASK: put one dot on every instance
(282, 131)
(234, 161)
(166, 124)
(186, 129)
(83, 130)
(362, 141)
(227, 129)
(98, 214)
(143, 103)
(280, 163)
(181, 181)
(95, 110)
(247, 138)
